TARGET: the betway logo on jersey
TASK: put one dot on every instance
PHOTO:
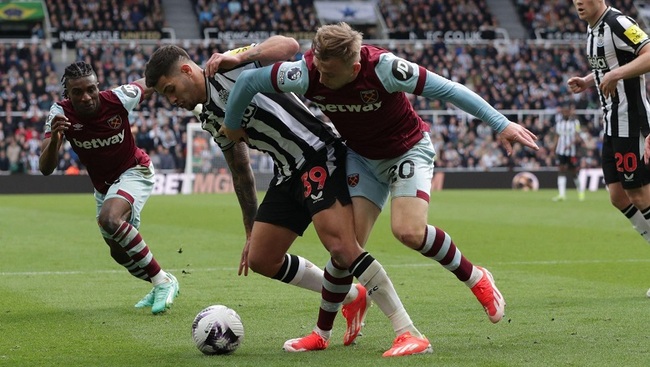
(99, 143)
(597, 63)
(349, 107)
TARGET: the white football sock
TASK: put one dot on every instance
(159, 278)
(383, 293)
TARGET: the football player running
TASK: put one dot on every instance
(96, 123)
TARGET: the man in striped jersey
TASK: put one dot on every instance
(619, 57)
(567, 140)
(309, 185)
(363, 90)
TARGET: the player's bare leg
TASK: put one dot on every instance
(409, 224)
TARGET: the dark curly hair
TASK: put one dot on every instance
(161, 62)
(75, 70)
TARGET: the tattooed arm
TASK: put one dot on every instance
(244, 183)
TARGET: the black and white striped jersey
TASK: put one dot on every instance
(277, 124)
(566, 129)
(615, 41)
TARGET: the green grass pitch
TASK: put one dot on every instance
(574, 275)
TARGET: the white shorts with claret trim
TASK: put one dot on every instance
(408, 175)
(135, 186)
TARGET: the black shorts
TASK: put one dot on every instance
(292, 203)
(622, 162)
(567, 160)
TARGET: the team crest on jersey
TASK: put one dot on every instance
(353, 180)
(600, 42)
(369, 96)
(223, 94)
(115, 122)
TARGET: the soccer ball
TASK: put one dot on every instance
(217, 329)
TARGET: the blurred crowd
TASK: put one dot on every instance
(418, 18)
(404, 19)
(280, 16)
(116, 15)
(558, 18)
(512, 76)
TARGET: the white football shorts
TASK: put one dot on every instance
(408, 175)
(135, 186)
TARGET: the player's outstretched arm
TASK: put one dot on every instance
(515, 133)
(273, 49)
(470, 102)
(244, 183)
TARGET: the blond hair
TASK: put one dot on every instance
(337, 41)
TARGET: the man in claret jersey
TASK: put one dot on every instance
(309, 185)
(362, 90)
(96, 123)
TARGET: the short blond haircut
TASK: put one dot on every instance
(337, 41)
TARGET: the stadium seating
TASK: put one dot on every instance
(127, 15)
(556, 19)
(419, 18)
(513, 76)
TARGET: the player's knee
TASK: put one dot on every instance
(263, 266)
(409, 236)
(344, 252)
(109, 223)
(620, 199)
(636, 195)
(617, 203)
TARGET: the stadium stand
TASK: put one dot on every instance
(557, 20)
(524, 78)
(280, 16)
(121, 15)
(421, 19)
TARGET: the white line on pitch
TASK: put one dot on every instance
(191, 270)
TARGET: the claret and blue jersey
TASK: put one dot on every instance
(372, 113)
(104, 143)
